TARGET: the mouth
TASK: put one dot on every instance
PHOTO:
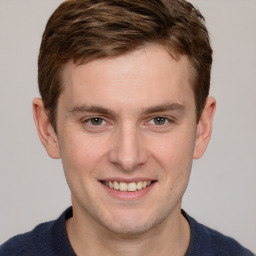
(128, 186)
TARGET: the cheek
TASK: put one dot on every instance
(174, 154)
(174, 149)
(80, 158)
(79, 153)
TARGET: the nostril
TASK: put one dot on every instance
(127, 152)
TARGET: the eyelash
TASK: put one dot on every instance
(89, 120)
(160, 118)
(104, 122)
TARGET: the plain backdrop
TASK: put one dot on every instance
(222, 190)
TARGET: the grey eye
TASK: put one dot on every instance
(159, 120)
(96, 121)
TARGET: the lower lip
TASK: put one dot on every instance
(126, 195)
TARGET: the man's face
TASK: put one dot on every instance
(127, 121)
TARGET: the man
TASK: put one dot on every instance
(125, 105)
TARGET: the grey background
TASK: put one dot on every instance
(222, 191)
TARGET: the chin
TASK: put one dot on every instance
(129, 227)
(134, 224)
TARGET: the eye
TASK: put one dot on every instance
(159, 120)
(95, 121)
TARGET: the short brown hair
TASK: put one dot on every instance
(84, 30)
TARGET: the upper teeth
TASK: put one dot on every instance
(122, 186)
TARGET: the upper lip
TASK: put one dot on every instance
(125, 180)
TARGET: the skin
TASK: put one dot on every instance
(127, 142)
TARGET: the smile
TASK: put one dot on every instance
(124, 187)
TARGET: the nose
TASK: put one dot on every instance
(128, 151)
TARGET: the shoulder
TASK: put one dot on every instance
(206, 241)
(27, 243)
(45, 239)
(224, 245)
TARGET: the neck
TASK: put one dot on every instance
(170, 237)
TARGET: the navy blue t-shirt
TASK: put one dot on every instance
(50, 239)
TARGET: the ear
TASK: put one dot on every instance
(204, 128)
(45, 130)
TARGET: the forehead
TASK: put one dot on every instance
(150, 72)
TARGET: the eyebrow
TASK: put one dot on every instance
(164, 107)
(105, 111)
(92, 109)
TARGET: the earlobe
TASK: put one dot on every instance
(204, 128)
(45, 130)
